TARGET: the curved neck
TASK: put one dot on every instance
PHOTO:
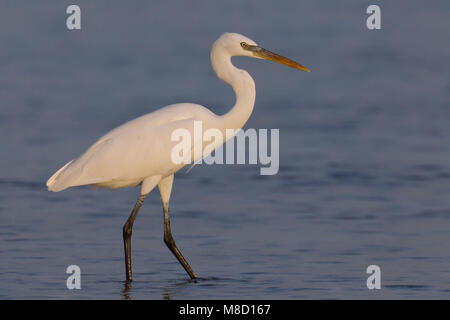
(243, 86)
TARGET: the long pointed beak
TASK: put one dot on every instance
(268, 55)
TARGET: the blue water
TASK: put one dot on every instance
(364, 151)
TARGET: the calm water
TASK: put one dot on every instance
(364, 151)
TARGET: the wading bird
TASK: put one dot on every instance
(139, 151)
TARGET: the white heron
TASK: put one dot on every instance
(139, 151)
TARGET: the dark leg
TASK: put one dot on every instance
(127, 231)
(168, 239)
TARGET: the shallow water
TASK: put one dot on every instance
(364, 151)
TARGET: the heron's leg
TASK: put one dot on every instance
(168, 239)
(127, 231)
(165, 188)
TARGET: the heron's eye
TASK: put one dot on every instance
(244, 45)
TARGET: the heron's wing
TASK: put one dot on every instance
(126, 155)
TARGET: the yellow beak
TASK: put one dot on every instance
(267, 55)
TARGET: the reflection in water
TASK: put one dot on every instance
(177, 288)
(168, 292)
(180, 288)
(125, 292)
(174, 289)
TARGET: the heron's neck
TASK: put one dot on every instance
(243, 86)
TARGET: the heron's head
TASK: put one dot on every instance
(238, 45)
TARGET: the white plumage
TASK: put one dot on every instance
(139, 151)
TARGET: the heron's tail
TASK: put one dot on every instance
(52, 183)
